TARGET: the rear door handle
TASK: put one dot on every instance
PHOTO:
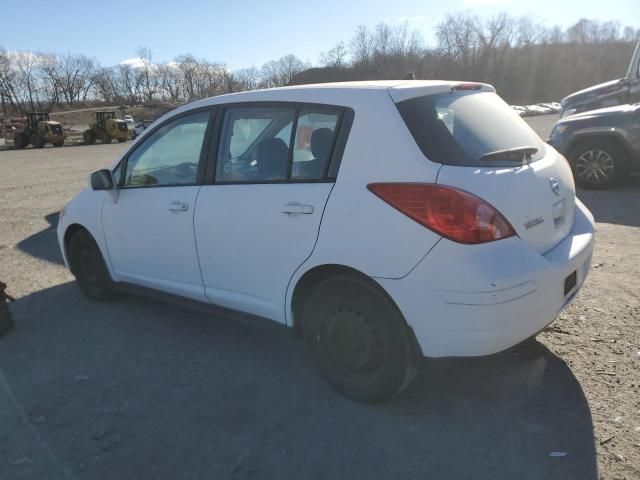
(296, 208)
(178, 207)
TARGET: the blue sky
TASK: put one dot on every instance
(250, 32)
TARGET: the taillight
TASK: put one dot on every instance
(452, 213)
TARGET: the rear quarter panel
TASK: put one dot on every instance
(358, 229)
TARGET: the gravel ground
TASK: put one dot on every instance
(137, 389)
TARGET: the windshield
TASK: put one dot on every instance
(463, 128)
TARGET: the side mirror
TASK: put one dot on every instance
(101, 180)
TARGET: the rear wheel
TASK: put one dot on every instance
(89, 268)
(37, 141)
(358, 339)
(599, 164)
(89, 137)
(58, 144)
(122, 140)
(105, 138)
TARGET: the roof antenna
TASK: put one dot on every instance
(410, 76)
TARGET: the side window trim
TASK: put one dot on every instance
(292, 141)
(204, 150)
(344, 129)
(339, 140)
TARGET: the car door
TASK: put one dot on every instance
(148, 223)
(259, 220)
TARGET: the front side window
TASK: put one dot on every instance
(170, 155)
(259, 144)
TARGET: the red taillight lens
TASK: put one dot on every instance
(452, 213)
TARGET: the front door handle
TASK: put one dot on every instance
(297, 209)
(177, 207)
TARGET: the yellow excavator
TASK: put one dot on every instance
(38, 131)
(106, 128)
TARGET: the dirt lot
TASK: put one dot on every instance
(142, 390)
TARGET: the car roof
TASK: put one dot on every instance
(347, 94)
(337, 92)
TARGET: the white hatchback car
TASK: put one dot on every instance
(385, 221)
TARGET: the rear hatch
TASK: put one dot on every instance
(488, 150)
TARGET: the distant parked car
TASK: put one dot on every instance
(602, 145)
(544, 110)
(384, 221)
(130, 124)
(553, 106)
(625, 90)
(534, 110)
(519, 110)
(140, 127)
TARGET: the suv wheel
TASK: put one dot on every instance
(88, 266)
(359, 340)
(598, 164)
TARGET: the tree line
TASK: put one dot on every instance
(526, 60)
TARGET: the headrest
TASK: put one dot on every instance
(272, 157)
(321, 143)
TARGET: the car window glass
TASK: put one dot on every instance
(462, 128)
(253, 144)
(313, 143)
(170, 156)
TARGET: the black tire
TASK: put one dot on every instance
(359, 340)
(58, 144)
(89, 137)
(122, 140)
(599, 164)
(87, 265)
(105, 138)
(37, 141)
(20, 140)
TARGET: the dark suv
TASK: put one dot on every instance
(615, 92)
(602, 145)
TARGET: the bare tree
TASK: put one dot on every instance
(248, 78)
(336, 57)
(361, 46)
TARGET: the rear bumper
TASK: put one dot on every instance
(472, 300)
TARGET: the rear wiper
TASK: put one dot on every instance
(516, 154)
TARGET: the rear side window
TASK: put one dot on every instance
(276, 144)
(464, 128)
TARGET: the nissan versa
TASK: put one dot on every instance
(384, 221)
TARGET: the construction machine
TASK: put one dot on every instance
(38, 131)
(106, 128)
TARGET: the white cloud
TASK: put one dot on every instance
(135, 62)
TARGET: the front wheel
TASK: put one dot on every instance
(20, 140)
(598, 164)
(89, 268)
(359, 340)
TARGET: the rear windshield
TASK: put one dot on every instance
(461, 128)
